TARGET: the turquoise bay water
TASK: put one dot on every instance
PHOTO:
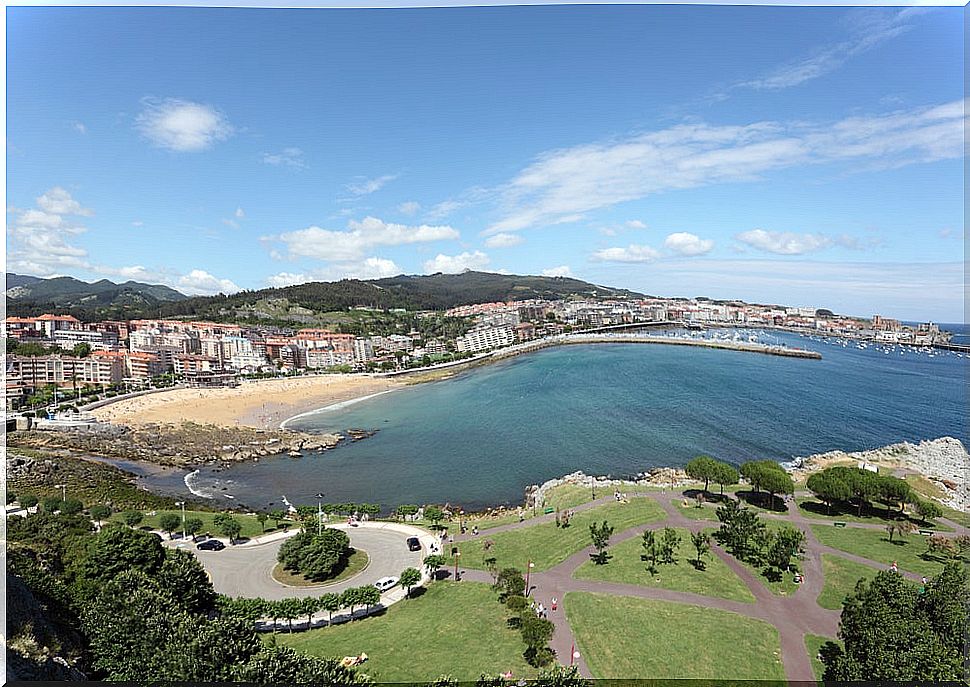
(618, 409)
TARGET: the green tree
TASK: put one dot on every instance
(893, 491)
(405, 510)
(51, 504)
(434, 514)
(261, 519)
(509, 582)
(115, 550)
(435, 562)
(82, 350)
(228, 526)
(28, 500)
(536, 633)
(169, 522)
(284, 666)
(71, 507)
(701, 468)
(829, 487)
(702, 544)
(776, 482)
(669, 541)
(786, 544)
(892, 632)
(99, 513)
(740, 529)
(900, 527)
(651, 550)
(600, 534)
(193, 526)
(928, 510)
(330, 602)
(132, 517)
(317, 557)
(409, 578)
(724, 474)
(183, 577)
(350, 598)
(561, 676)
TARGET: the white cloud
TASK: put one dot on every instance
(561, 184)
(784, 242)
(366, 186)
(58, 201)
(200, 282)
(288, 157)
(230, 223)
(453, 264)
(351, 245)
(137, 223)
(635, 224)
(182, 125)
(239, 213)
(79, 127)
(409, 208)
(443, 209)
(686, 243)
(372, 268)
(632, 253)
(503, 240)
(872, 29)
(286, 279)
(561, 271)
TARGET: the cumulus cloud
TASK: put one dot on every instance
(360, 237)
(372, 268)
(409, 208)
(560, 271)
(286, 279)
(367, 186)
(288, 157)
(453, 264)
(561, 184)
(632, 253)
(685, 243)
(784, 242)
(503, 240)
(635, 224)
(239, 213)
(58, 201)
(201, 283)
(182, 125)
(79, 127)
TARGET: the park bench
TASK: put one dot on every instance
(839, 524)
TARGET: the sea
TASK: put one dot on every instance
(480, 438)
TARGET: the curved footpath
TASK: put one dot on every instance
(793, 616)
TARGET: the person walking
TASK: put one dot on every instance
(555, 603)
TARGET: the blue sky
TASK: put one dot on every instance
(806, 156)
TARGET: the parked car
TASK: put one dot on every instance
(210, 545)
(385, 583)
(414, 544)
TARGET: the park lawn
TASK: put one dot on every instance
(547, 545)
(456, 629)
(691, 511)
(813, 643)
(717, 579)
(813, 508)
(249, 524)
(356, 563)
(924, 486)
(874, 545)
(957, 516)
(627, 637)
(841, 576)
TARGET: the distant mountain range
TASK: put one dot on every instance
(28, 295)
(105, 299)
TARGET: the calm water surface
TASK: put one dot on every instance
(619, 409)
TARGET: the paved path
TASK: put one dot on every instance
(793, 616)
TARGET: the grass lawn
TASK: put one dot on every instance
(924, 486)
(626, 637)
(705, 512)
(874, 545)
(450, 629)
(715, 580)
(546, 545)
(812, 508)
(813, 643)
(957, 516)
(841, 576)
(250, 525)
(356, 563)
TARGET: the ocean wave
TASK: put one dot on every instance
(192, 478)
(334, 406)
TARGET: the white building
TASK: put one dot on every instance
(485, 338)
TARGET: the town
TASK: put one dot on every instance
(59, 352)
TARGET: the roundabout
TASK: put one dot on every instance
(247, 570)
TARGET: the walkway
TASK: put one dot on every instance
(793, 616)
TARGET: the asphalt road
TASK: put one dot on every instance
(247, 570)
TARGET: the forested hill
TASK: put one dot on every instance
(426, 292)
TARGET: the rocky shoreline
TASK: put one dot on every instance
(184, 445)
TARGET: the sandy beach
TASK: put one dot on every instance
(259, 403)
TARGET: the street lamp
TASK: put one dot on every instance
(528, 570)
(319, 515)
(182, 504)
(573, 654)
(63, 488)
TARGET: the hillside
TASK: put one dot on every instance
(302, 302)
(33, 296)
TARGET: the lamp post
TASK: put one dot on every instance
(182, 504)
(63, 488)
(528, 570)
(573, 654)
(319, 515)
(457, 556)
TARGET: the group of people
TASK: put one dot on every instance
(543, 612)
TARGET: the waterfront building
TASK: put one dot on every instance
(143, 366)
(97, 340)
(100, 368)
(485, 338)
